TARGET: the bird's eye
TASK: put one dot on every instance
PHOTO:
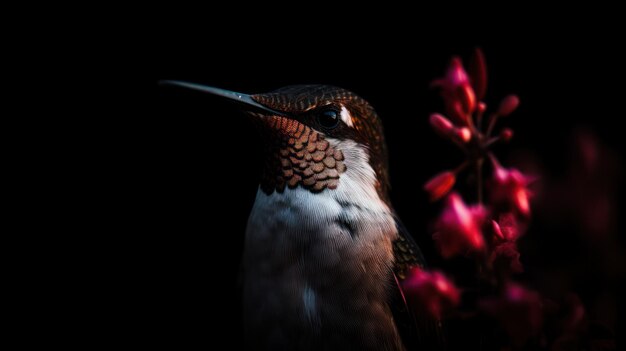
(328, 119)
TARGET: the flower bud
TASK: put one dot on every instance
(440, 124)
(508, 105)
(506, 134)
(464, 134)
(440, 185)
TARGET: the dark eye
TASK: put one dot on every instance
(328, 119)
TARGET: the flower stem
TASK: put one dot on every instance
(492, 141)
(492, 123)
(479, 120)
(461, 167)
(479, 179)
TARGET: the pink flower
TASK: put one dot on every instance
(518, 310)
(457, 92)
(509, 189)
(440, 185)
(504, 259)
(459, 227)
(430, 291)
(507, 228)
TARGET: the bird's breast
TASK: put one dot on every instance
(316, 269)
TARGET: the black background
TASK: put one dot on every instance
(186, 166)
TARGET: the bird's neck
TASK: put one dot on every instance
(351, 205)
(298, 156)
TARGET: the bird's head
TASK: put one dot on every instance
(314, 134)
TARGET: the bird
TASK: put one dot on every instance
(324, 253)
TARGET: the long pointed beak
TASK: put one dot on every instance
(244, 99)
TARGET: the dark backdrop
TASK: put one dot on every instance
(190, 163)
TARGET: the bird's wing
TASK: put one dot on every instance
(418, 331)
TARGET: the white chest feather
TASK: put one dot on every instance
(316, 262)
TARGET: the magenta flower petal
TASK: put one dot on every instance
(457, 92)
(467, 98)
(509, 189)
(431, 292)
(456, 75)
(509, 226)
(497, 231)
(478, 73)
(440, 185)
(459, 227)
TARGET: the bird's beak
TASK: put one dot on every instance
(241, 98)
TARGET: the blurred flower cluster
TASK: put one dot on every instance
(486, 232)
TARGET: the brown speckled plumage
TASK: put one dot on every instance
(301, 100)
(298, 156)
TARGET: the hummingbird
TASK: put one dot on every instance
(324, 251)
